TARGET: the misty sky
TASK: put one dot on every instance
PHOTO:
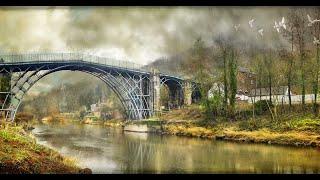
(137, 34)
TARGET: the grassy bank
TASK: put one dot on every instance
(293, 129)
(235, 132)
(20, 154)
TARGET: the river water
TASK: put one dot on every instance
(107, 150)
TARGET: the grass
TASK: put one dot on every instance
(20, 154)
(193, 113)
(233, 132)
(297, 129)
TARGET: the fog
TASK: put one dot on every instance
(138, 34)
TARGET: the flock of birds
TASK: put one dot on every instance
(282, 24)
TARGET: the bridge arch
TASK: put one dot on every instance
(125, 85)
(176, 91)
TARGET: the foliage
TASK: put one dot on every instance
(82, 114)
(199, 62)
(4, 86)
(73, 98)
(263, 106)
(233, 81)
(164, 96)
(213, 106)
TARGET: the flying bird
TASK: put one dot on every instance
(251, 23)
(315, 40)
(276, 26)
(312, 21)
(260, 32)
(237, 27)
(282, 23)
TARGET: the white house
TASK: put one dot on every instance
(219, 87)
(280, 95)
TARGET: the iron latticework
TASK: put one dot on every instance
(133, 84)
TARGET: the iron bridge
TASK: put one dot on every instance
(137, 87)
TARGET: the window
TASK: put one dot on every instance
(251, 81)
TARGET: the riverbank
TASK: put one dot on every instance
(20, 154)
(293, 130)
(233, 132)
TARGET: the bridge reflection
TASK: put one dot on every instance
(110, 150)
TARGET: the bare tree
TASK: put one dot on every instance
(315, 31)
(301, 32)
(223, 47)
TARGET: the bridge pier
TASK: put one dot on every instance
(176, 96)
(156, 90)
(187, 93)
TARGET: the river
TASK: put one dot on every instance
(107, 150)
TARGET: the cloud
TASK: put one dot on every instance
(30, 30)
(138, 34)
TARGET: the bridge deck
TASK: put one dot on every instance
(19, 62)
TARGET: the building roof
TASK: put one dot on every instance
(281, 90)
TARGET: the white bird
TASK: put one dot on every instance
(260, 32)
(315, 40)
(282, 23)
(237, 27)
(312, 21)
(276, 26)
(251, 23)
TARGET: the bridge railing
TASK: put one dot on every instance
(50, 57)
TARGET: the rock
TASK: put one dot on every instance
(269, 142)
(313, 144)
(85, 171)
(220, 137)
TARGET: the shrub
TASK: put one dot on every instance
(263, 106)
(213, 106)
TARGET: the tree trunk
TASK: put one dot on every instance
(316, 87)
(269, 78)
(260, 80)
(233, 82)
(303, 90)
(270, 87)
(290, 72)
(225, 101)
(254, 100)
(289, 82)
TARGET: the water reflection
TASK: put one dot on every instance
(113, 151)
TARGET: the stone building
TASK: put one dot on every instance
(246, 80)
